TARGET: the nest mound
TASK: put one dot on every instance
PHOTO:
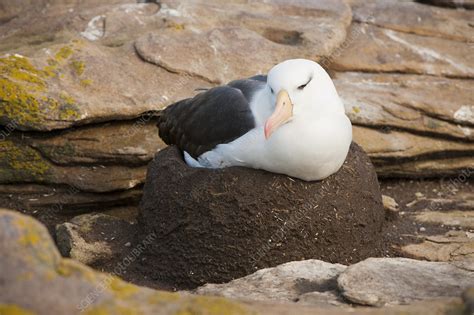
(217, 225)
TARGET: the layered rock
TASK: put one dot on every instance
(76, 76)
(30, 263)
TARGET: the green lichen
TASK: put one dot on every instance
(10, 309)
(64, 53)
(78, 66)
(86, 82)
(21, 163)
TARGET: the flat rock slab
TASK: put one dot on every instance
(455, 246)
(379, 281)
(222, 41)
(377, 49)
(461, 218)
(79, 83)
(309, 282)
(217, 225)
(417, 18)
(403, 154)
(421, 104)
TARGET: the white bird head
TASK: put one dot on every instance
(300, 89)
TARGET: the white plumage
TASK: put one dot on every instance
(307, 136)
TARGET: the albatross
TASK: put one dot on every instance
(290, 122)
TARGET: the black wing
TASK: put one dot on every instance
(218, 115)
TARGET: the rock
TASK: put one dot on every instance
(379, 281)
(239, 37)
(455, 246)
(21, 163)
(107, 157)
(290, 282)
(416, 18)
(127, 143)
(451, 218)
(468, 297)
(217, 225)
(458, 4)
(391, 207)
(30, 263)
(61, 200)
(78, 83)
(34, 279)
(397, 153)
(377, 49)
(423, 105)
(93, 238)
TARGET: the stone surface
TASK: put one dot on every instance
(105, 157)
(424, 105)
(455, 246)
(385, 50)
(127, 143)
(308, 282)
(63, 199)
(412, 17)
(234, 36)
(378, 281)
(402, 154)
(209, 222)
(79, 82)
(93, 238)
(452, 218)
(458, 4)
(35, 278)
(20, 163)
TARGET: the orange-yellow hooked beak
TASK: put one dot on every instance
(282, 114)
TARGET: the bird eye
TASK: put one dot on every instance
(271, 90)
(304, 85)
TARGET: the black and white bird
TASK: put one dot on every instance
(290, 122)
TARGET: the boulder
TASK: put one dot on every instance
(307, 282)
(36, 280)
(378, 281)
(216, 225)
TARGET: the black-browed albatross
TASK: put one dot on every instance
(291, 122)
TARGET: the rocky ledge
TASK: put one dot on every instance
(72, 93)
(31, 263)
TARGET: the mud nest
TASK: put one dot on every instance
(217, 225)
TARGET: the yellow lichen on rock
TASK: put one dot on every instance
(10, 309)
(20, 163)
(24, 94)
(122, 289)
(78, 66)
(71, 268)
(64, 53)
